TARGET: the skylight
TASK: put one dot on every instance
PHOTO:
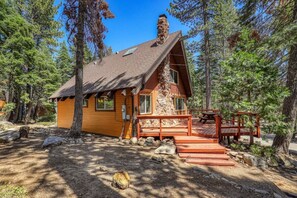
(130, 51)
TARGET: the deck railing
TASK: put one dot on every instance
(237, 122)
(161, 130)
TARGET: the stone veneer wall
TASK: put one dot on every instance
(164, 100)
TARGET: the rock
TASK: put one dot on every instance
(158, 159)
(272, 162)
(121, 180)
(277, 195)
(4, 125)
(141, 141)
(286, 162)
(126, 141)
(149, 141)
(233, 153)
(24, 131)
(262, 164)
(52, 141)
(167, 141)
(133, 140)
(9, 136)
(78, 141)
(168, 149)
(157, 143)
(261, 191)
(250, 159)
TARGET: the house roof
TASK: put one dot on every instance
(119, 71)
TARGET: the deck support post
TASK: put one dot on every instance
(160, 120)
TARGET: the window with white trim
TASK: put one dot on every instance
(85, 102)
(105, 103)
(145, 104)
(179, 104)
(173, 76)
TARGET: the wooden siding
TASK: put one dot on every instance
(2, 103)
(100, 122)
(152, 87)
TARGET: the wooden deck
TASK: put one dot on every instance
(186, 125)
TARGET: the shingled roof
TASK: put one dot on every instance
(118, 71)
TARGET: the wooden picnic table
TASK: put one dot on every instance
(207, 116)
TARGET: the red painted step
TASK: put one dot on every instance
(193, 140)
(200, 148)
(204, 156)
(211, 162)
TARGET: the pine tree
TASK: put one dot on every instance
(84, 22)
(197, 15)
(251, 82)
(64, 63)
(279, 21)
(210, 23)
(88, 55)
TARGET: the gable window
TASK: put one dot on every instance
(85, 102)
(179, 104)
(105, 103)
(173, 76)
(145, 104)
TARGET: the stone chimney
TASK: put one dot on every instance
(163, 29)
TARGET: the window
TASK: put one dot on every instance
(173, 76)
(85, 102)
(145, 104)
(105, 103)
(179, 104)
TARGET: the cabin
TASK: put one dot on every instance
(151, 78)
(2, 103)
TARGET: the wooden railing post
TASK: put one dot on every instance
(258, 126)
(218, 122)
(160, 135)
(238, 127)
(138, 128)
(189, 125)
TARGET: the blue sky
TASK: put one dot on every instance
(135, 22)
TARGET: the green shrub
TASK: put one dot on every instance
(238, 147)
(47, 118)
(256, 150)
(262, 151)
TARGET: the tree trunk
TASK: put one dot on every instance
(78, 113)
(282, 141)
(207, 58)
(28, 113)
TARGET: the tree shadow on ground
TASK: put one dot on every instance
(85, 170)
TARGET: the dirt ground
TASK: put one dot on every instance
(85, 170)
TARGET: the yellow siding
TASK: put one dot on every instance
(2, 103)
(101, 122)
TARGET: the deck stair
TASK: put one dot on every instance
(202, 151)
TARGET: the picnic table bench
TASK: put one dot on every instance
(207, 116)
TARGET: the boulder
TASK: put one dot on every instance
(133, 140)
(158, 159)
(286, 161)
(250, 159)
(272, 162)
(262, 164)
(168, 149)
(149, 141)
(157, 143)
(126, 141)
(9, 136)
(233, 153)
(121, 180)
(52, 141)
(141, 141)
